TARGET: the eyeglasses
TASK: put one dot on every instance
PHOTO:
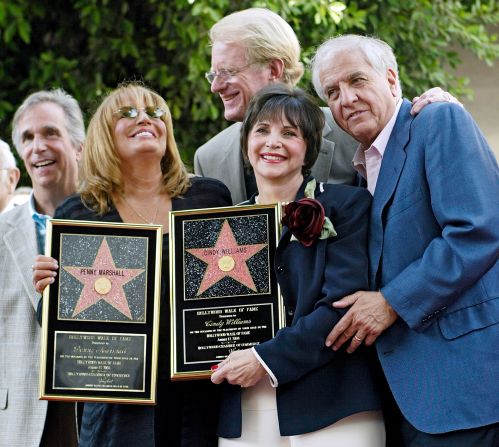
(133, 112)
(225, 73)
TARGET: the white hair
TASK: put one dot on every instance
(377, 53)
(7, 159)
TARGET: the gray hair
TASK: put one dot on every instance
(377, 53)
(7, 159)
(266, 36)
(74, 117)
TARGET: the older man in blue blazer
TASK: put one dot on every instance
(434, 246)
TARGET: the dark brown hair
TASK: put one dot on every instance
(299, 108)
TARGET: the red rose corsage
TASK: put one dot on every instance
(306, 218)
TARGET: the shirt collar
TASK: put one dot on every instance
(40, 221)
(380, 143)
(36, 216)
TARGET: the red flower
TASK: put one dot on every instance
(305, 219)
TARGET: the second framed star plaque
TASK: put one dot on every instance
(100, 318)
(224, 294)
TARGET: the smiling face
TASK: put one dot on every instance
(361, 99)
(139, 137)
(276, 150)
(46, 149)
(236, 91)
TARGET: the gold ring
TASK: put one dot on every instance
(357, 338)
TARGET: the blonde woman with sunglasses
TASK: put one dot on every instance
(132, 172)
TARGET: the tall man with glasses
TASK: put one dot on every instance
(48, 133)
(251, 49)
(9, 176)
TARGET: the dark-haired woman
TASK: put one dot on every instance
(293, 390)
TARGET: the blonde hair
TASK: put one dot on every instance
(101, 175)
(266, 36)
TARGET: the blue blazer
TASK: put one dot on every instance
(433, 249)
(316, 386)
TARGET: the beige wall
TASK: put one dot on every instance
(484, 107)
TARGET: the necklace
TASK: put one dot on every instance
(147, 221)
(257, 201)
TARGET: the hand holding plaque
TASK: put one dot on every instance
(224, 294)
(100, 317)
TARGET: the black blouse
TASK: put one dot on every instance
(186, 411)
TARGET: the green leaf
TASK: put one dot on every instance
(89, 46)
(9, 32)
(24, 30)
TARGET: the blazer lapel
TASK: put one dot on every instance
(391, 168)
(21, 243)
(231, 166)
(299, 195)
(322, 166)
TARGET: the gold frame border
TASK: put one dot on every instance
(151, 399)
(202, 373)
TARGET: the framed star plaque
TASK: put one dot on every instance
(224, 294)
(100, 318)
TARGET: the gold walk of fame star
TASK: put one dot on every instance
(226, 258)
(103, 281)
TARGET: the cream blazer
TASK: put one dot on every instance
(22, 415)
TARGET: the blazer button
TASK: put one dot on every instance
(290, 312)
(280, 269)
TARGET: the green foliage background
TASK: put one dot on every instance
(89, 46)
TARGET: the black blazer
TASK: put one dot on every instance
(316, 386)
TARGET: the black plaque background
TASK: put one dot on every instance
(197, 370)
(53, 324)
(232, 336)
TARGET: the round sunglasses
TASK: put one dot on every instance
(133, 112)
